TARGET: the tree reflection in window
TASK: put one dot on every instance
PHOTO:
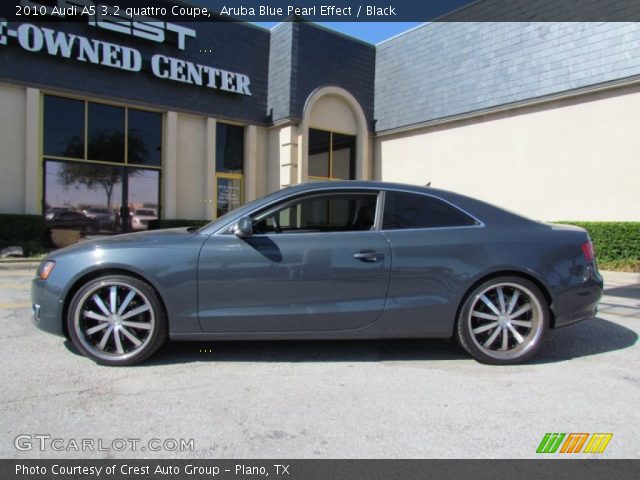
(95, 175)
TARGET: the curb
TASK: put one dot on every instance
(19, 264)
(625, 278)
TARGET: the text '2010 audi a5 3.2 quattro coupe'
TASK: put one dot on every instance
(345, 260)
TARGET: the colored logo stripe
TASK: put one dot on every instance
(550, 443)
(574, 442)
(598, 442)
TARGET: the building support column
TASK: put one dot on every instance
(303, 154)
(210, 170)
(288, 137)
(250, 163)
(363, 160)
(170, 148)
(33, 171)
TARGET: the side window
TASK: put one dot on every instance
(410, 210)
(335, 212)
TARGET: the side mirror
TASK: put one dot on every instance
(243, 228)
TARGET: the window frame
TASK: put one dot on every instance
(226, 228)
(232, 176)
(85, 158)
(284, 203)
(125, 166)
(353, 158)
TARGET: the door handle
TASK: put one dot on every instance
(368, 256)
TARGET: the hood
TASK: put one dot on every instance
(138, 239)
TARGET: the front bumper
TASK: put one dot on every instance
(47, 305)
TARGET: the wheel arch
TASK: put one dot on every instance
(88, 276)
(510, 273)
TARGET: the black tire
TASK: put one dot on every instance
(495, 331)
(124, 325)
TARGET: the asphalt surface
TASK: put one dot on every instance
(378, 399)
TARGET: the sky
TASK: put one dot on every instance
(372, 32)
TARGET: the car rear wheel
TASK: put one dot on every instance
(117, 320)
(503, 321)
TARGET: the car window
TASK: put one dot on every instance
(145, 212)
(411, 210)
(335, 212)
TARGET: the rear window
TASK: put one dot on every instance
(148, 213)
(411, 210)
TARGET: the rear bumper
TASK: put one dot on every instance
(579, 301)
(46, 307)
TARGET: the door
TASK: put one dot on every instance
(313, 263)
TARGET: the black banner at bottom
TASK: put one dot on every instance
(318, 469)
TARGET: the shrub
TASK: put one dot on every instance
(175, 223)
(26, 231)
(614, 242)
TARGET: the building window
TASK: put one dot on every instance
(229, 167)
(103, 161)
(332, 156)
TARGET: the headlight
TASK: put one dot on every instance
(45, 269)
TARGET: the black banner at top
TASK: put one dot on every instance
(326, 10)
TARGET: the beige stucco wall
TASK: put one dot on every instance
(195, 166)
(190, 167)
(12, 149)
(262, 161)
(332, 113)
(571, 159)
(273, 159)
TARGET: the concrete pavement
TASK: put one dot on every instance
(379, 399)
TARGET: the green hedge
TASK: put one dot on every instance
(26, 231)
(176, 223)
(613, 241)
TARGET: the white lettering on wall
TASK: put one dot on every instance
(103, 16)
(36, 39)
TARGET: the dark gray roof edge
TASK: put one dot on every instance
(618, 83)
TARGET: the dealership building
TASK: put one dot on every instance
(190, 120)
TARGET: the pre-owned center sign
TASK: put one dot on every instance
(35, 39)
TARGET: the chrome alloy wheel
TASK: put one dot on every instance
(505, 320)
(114, 320)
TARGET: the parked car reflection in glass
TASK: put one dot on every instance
(141, 218)
(68, 219)
(102, 215)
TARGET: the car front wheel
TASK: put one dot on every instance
(503, 321)
(117, 320)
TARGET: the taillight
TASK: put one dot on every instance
(587, 250)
